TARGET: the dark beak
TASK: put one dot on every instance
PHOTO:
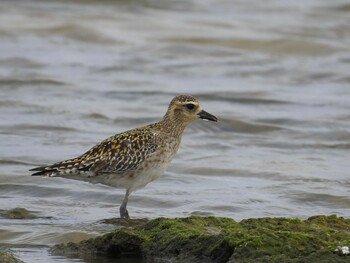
(207, 116)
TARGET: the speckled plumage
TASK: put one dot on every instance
(133, 158)
(117, 154)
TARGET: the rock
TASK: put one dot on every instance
(7, 257)
(220, 240)
(125, 222)
(17, 213)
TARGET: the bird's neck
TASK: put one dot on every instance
(173, 126)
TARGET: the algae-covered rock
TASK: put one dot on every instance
(7, 257)
(293, 240)
(17, 213)
(213, 239)
(125, 222)
(193, 239)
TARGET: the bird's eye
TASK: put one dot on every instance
(190, 106)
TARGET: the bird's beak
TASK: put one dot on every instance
(207, 116)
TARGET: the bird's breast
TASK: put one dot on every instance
(155, 165)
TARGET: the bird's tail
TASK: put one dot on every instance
(70, 166)
(45, 171)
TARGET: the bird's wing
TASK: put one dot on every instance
(120, 153)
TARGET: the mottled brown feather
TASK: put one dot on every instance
(117, 154)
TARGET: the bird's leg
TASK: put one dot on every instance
(123, 211)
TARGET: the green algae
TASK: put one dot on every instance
(215, 239)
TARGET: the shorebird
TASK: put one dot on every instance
(133, 158)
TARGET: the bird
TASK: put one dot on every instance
(133, 158)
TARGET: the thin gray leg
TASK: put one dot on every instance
(123, 211)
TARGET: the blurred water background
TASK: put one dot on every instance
(276, 73)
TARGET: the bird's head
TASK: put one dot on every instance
(186, 108)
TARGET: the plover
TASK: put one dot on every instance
(133, 158)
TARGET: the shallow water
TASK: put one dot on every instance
(276, 74)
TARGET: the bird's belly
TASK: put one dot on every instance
(133, 180)
(146, 176)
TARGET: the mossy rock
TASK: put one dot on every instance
(7, 257)
(219, 240)
(125, 222)
(17, 213)
(193, 239)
